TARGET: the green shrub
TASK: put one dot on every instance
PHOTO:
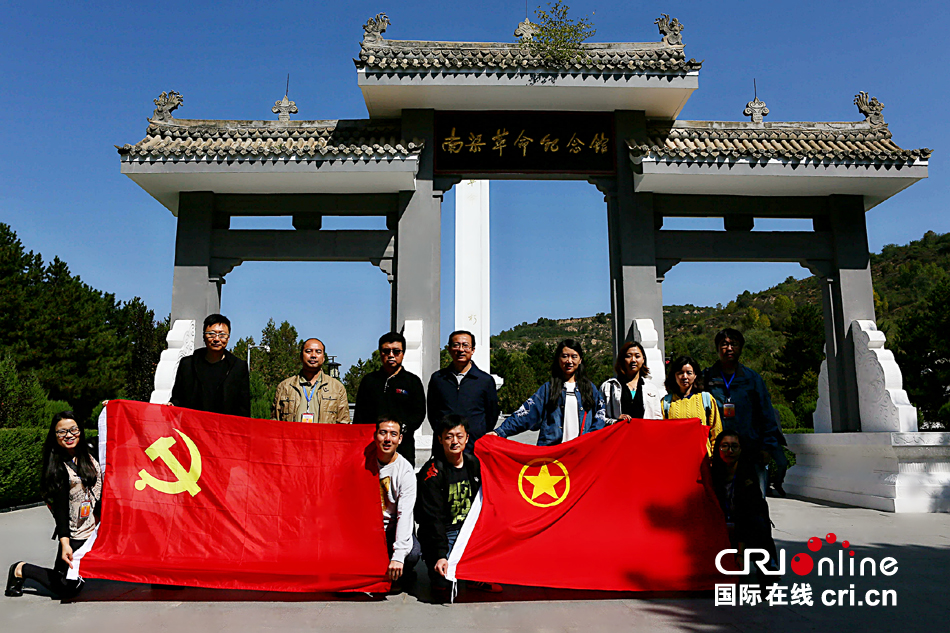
(21, 452)
(50, 408)
(786, 417)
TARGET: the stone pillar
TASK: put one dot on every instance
(417, 257)
(196, 289)
(848, 296)
(472, 266)
(636, 292)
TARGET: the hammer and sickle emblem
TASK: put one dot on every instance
(187, 479)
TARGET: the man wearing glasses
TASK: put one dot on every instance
(213, 379)
(395, 392)
(463, 389)
(745, 405)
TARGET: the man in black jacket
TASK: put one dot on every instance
(448, 484)
(463, 389)
(213, 379)
(395, 392)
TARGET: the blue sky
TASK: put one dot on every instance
(78, 78)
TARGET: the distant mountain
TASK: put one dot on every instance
(903, 278)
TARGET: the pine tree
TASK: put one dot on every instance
(924, 355)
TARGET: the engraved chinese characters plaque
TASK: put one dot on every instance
(524, 142)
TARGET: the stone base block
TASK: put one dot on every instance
(894, 472)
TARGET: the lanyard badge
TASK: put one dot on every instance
(728, 408)
(85, 508)
(308, 416)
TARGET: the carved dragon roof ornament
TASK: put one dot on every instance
(284, 108)
(166, 103)
(374, 28)
(526, 30)
(756, 109)
(870, 108)
(671, 30)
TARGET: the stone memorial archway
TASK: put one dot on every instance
(441, 112)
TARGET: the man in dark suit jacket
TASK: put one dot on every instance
(213, 379)
(463, 389)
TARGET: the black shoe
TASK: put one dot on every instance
(72, 589)
(441, 595)
(779, 491)
(14, 584)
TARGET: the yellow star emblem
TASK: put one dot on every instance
(544, 482)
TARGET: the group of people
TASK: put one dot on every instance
(461, 404)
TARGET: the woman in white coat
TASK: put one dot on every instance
(629, 395)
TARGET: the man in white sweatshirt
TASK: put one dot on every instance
(397, 491)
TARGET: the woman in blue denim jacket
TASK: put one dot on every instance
(567, 406)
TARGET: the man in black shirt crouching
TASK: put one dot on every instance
(447, 487)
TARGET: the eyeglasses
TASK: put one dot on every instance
(460, 346)
(223, 336)
(390, 352)
(729, 447)
(64, 432)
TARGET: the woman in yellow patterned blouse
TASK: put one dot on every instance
(686, 398)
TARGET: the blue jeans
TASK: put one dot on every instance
(412, 557)
(763, 475)
(453, 536)
(435, 578)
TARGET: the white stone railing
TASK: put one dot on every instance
(822, 415)
(181, 343)
(645, 332)
(882, 401)
(893, 472)
(412, 361)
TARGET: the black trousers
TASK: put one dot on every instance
(54, 579)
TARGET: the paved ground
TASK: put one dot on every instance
(920, 543)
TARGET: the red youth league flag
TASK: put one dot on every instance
(628, 508)
(207, 500)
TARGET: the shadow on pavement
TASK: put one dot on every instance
(115, 591)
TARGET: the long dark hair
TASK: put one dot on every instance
(619, 364)
(672, 386)
(54, 476)
(584, 385)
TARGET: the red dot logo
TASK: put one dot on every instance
(845, 544)
(802, 564)
(814, 543)
(831, 538)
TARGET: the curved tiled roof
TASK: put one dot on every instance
(249, 140)
(707, 141)
(419, 56)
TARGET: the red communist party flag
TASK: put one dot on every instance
(200, 499)
(628, 508)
